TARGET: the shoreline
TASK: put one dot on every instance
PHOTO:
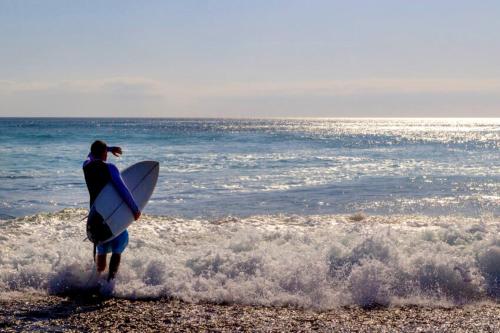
(77, 314)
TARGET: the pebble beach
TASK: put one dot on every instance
(76, 314)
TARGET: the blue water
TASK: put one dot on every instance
(219, 167)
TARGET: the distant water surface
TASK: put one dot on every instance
(217, 167)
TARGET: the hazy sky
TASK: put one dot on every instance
(250, 58)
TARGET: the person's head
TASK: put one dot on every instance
(99, 149)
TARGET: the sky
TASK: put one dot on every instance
(231, 58)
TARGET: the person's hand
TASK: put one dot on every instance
(137, 215)
(117, 151)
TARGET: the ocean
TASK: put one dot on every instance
(308, 212)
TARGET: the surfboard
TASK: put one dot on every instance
(111, 212)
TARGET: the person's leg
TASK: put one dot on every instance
(114, 264)
(101, 263)
(118, 246)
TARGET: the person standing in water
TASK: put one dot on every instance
(98, 173)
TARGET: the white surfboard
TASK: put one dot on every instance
(140, 179)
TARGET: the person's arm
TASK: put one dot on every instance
(122, 189)
(117, 151)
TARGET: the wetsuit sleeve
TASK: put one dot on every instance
(122, 189)
(110, 149)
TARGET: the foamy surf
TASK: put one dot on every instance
(320, 261)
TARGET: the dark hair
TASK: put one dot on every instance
(98, 148)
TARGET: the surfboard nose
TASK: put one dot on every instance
(151, 162)
(150, 165)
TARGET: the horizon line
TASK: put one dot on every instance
(239, 118)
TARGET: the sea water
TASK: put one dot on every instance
(313, 213)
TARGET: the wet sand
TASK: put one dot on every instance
(75, 314)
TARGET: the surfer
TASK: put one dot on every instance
(97, 174)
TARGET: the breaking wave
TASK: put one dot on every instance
(318, 261)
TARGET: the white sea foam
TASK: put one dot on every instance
(306, 261)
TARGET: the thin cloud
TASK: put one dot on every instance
(145, 87)
(354, 87)
(116, 85)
